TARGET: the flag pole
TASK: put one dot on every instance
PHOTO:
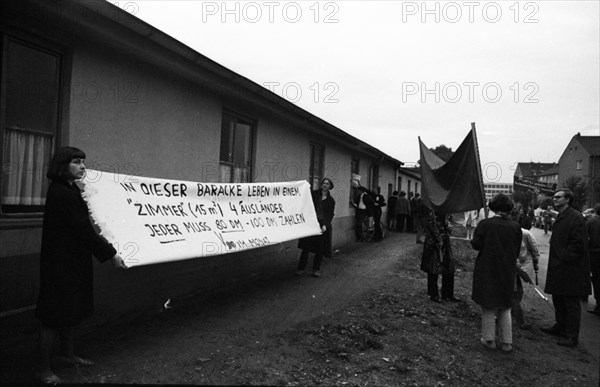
(478, 161)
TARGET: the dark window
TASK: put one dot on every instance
(354, 168)
(235, 159)
(375, 176)
(28, 123)
(317, 156)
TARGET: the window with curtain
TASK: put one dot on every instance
(28, 123)
(317, 156)
(235, 165)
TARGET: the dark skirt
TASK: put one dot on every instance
(317, 244)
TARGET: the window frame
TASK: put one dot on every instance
(64, 58)
(253, 124)
(374, 183)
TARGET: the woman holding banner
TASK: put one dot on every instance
(68, 242)
(320, 244)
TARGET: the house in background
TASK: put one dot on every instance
(581, 158)
(536, 179)
(532, 170)
(549, 176)
(138, 102)
(409, 180)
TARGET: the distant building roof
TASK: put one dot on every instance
(551, 171)
(590, 143)
(414, 172)
(532, 169)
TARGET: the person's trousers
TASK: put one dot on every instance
(447, 285)
(378, 231)
(401, 222)
(304, 259)
(595, 269)
(496, 322)
(410, 223)
(567, 312)
(517, 311)
(360, 217)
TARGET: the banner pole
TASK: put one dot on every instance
(478, 161)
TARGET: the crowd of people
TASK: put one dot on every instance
(497, 281)
(405, 213)
(507, 254)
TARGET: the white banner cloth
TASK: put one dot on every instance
(156, 220)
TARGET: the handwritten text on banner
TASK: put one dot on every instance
(156, 220)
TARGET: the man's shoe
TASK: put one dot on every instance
(436, 299)
(452, 299)
(316, 274)
(555, 331)
(299, 273)
(568, 342)
(489, 344)
(48, 378)
(75, 361)
(595, 311)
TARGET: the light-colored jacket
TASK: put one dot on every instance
(529, 249)
(471, 218)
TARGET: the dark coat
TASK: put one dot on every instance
(68, 242)
(325, 209)
(498, 241)
(402, 206)
(568, 262)
(392, 206)
(378, 204)
(437, 255)
(592, 226)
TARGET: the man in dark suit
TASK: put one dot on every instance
(592, 226)
(568, 276)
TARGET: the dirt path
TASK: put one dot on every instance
(198, 331)
(366, 321)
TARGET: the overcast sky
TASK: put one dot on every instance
(387, 72)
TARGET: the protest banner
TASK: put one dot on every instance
(530, 184)
(156, 220)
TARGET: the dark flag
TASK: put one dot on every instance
(456, 185)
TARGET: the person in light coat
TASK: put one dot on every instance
(527, 263)
(471, 218)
